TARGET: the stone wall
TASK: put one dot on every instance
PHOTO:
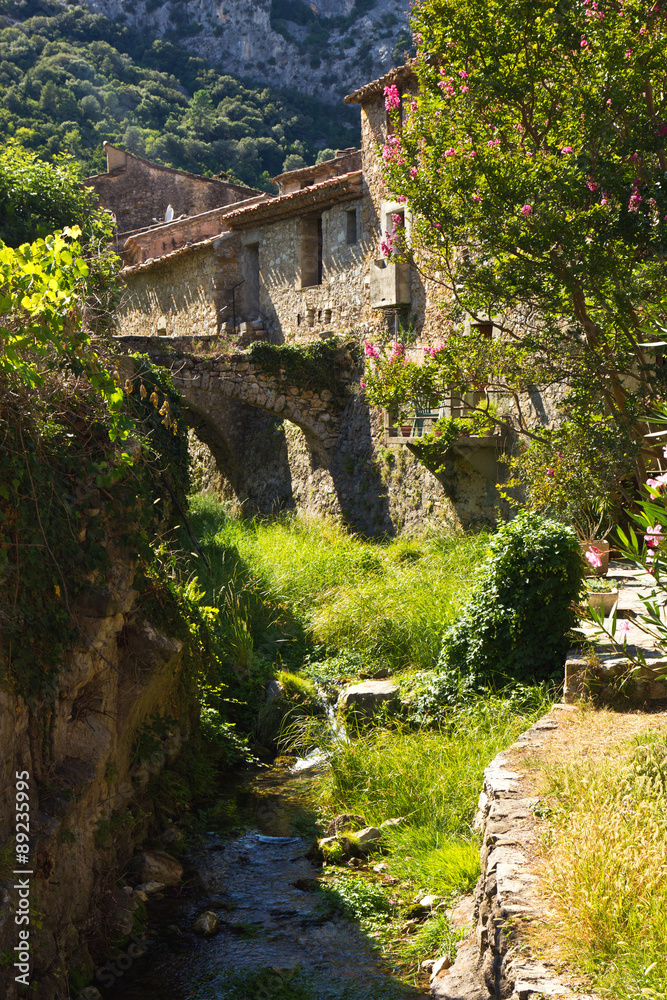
(341, 302)
(86, 780)
(496, 961)
(138, 191)
(176, 296)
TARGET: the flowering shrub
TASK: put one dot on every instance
(528, 203)
(515, 625)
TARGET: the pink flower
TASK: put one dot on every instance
(413, 172)
(397, 220)
(623, 627)
(664, 451)
(392, 98)
(591, 185)
(567, 149)
(653, 536)
(401, 198)
(584, 43)
(463, 74)
(593, 556)
(628, 53)
(476, 197)
(635, 200)
(604, 200)
(526, 210)
(550, 472)
(450, 152)
(362, 383)
(371, 350)
(464, 90)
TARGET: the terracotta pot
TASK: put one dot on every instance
(406, 430)
(605, 599)
(601, 548)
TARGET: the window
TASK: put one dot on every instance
(311, 250)
(352, 227)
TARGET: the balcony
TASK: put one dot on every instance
(479, 451)
(390, 284)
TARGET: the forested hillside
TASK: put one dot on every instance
(70, 79)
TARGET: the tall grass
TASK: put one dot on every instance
(605, 867)
(432, 779)
(388, 602)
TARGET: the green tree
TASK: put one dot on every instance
(533, 159)
(37, 198)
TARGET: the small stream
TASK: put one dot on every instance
(278, 938)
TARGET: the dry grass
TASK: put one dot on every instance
(601, 853)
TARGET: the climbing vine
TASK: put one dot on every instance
(433, 448)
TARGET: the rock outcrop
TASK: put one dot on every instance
(87, 784)
(357, 41)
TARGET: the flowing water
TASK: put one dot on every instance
(279, 937)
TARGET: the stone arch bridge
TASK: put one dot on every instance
(237, 408)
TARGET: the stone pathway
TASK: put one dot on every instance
(612, 664)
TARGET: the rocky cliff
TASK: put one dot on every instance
(83, 765)
(327, 48)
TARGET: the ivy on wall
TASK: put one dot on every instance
(316, 366)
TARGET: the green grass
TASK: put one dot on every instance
(389, 603)
(605, 868)
(432, 777)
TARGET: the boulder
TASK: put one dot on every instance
(146, 889)
(396, 821)
(440, 967)
(346, 821)
(206, 923)
(274, 690)
(90, 993)
(367, 835)
(172, 835)
(156, 866)
(366, 698)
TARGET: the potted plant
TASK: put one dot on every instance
(601, 594)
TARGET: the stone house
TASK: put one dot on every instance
(141, 193)
(297, 267)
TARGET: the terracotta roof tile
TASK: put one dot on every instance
(401, 74)
(324, 193)
(181, 251)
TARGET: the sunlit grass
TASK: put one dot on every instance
(605, 868)
(389, 602)
(432, 779)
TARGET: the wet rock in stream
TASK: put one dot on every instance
(262, 909)
(277, 937)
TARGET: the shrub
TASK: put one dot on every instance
(515, 625)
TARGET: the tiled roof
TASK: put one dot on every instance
(155, 261)
(304, 172)
(320, 195)
(402, 74)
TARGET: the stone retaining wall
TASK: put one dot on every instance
(494, 963)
